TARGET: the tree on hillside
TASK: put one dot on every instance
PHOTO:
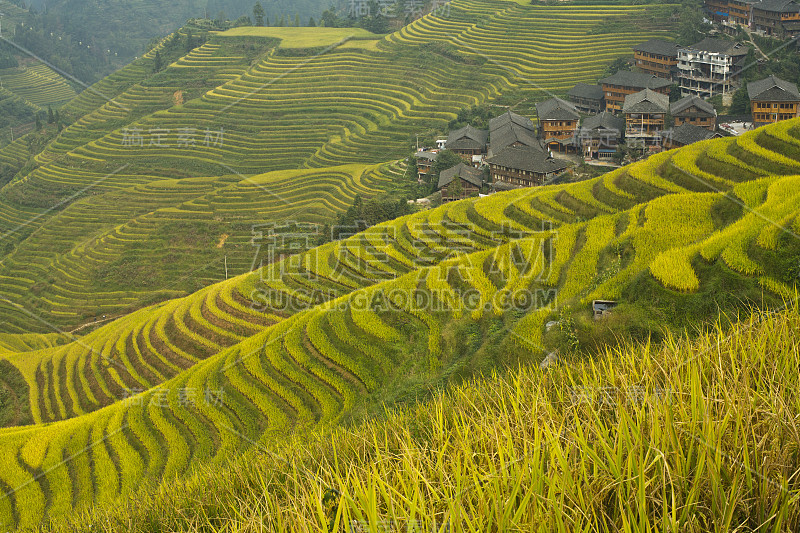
(621, 63)
(157, 62)
(7, 59)
(446, 159)
(311, 23)
(330, 19)
(741, 102)
(693, 27)
(455, 189)
(189, 44)
(258, 14)
(297, 20)
(478, 116)
(748, 72)
(674, 92)
(50, 118)
(362, 215)
(244, 20)
(375, 21)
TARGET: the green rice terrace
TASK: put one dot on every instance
(37, 85)
(25, 91)
(195, 349)
(243, 105)
(327, 336)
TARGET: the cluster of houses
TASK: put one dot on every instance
(630, 107)
(774, 18)
(708, 68)
(510, 152)
(637, 113)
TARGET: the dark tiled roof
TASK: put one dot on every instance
(773, 89)
(510, 128)
(637, 80)
(776, 6)
(718, 46)
(465, 172)
(646, 101)
(692, 101)
(689, 133)
(556, 109)
(658, 46)
(584, 90)
(524, 158)
(467, 138)
(512, 134)
(510, 118)
(603, 121)
(430, 156)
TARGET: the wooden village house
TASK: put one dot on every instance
(656, 57)
(459, 182)
(511, 129)
(587, 98)
(730, 13)
(772, 100)
(624, 83)
(468, 142)
(558, 122)
(600, 135)
(425, 160)
(523, 166)
(777, 18)
(694, 110)
(645, 117)
(685, 135)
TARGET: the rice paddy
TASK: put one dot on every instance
(193, 333)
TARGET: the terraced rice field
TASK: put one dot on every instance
(38, 85)
(316, 337)
(304, 37)
(112, 86)
(220, 214)
(188, 367)
(244, 104)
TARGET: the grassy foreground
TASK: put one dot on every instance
(700, 435)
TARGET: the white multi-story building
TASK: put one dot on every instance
(710, 67)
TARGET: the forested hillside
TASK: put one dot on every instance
(89, 39)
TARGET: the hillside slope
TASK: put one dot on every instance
(391, 313)
(240, 106)
(117, 32)
(37, 85)
(622, 241)
(694, 436)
